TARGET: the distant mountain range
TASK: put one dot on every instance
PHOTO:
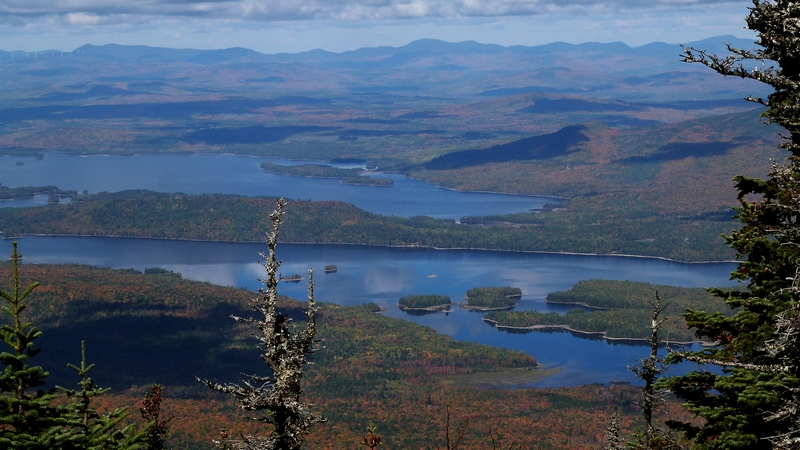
(418, 48)
(615, 70)
(632, 135)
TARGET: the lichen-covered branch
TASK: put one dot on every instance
(277, 398)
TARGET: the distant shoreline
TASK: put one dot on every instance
(663, 258)
(434, 308)
(600, 334)
(541, 252)
(480, 192)
(581, 304)
(486, 308)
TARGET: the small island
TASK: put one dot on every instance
(311, 170)
(492, 298)
(349, 176)
(425, 303)
(330, 269)
(292, 278)
(368, 181)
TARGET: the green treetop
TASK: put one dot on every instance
(753, 403)
(91, 430)
(28, 417)
(33, 419)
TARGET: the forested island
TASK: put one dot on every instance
(622, 310)
(349, 176)
(492, 298)
(424, 302)
(218, 217)
(368, 181)
(311, 170)
(157, 327)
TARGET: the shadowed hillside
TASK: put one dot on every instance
(157, 327)
(545, 146)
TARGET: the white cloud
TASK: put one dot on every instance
(88, 19)
(104, 12)
(240, 23)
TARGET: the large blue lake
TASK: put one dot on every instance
(241, 175)
(366, 274)
(383, 275)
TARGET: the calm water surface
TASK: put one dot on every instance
(228, 174)
(383, 275)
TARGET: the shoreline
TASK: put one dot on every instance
(307, 176)
(663, 258)
(333, 178)
(542, 252)
(600, 334)
(481, 192)
(581, 304)
(486, 308)
(134, 154)
(34, 195)
(434, 308)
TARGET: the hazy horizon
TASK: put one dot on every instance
(275, 26)
(360, 48)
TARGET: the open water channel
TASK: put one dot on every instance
(366, 274)
(241, 175)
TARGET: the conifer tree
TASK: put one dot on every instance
(755, 402)
(34, 419)
(91, 430)
(156, 435)
(29, 418)
(648, 370)
(278, 398)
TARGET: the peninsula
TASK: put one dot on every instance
(614, 310)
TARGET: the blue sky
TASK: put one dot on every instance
(273, 26)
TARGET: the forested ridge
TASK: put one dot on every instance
(148, 214)
(624, 313)
(157, 327)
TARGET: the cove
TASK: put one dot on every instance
(383, 275)
(242, 175)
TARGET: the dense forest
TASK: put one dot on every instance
(492, 297)
(149, 214)
(423, 301)
(622, 310)
(157, 327)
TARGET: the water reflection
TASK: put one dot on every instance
(383, 275)
(419, 312)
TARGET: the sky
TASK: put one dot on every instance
(276, 26)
